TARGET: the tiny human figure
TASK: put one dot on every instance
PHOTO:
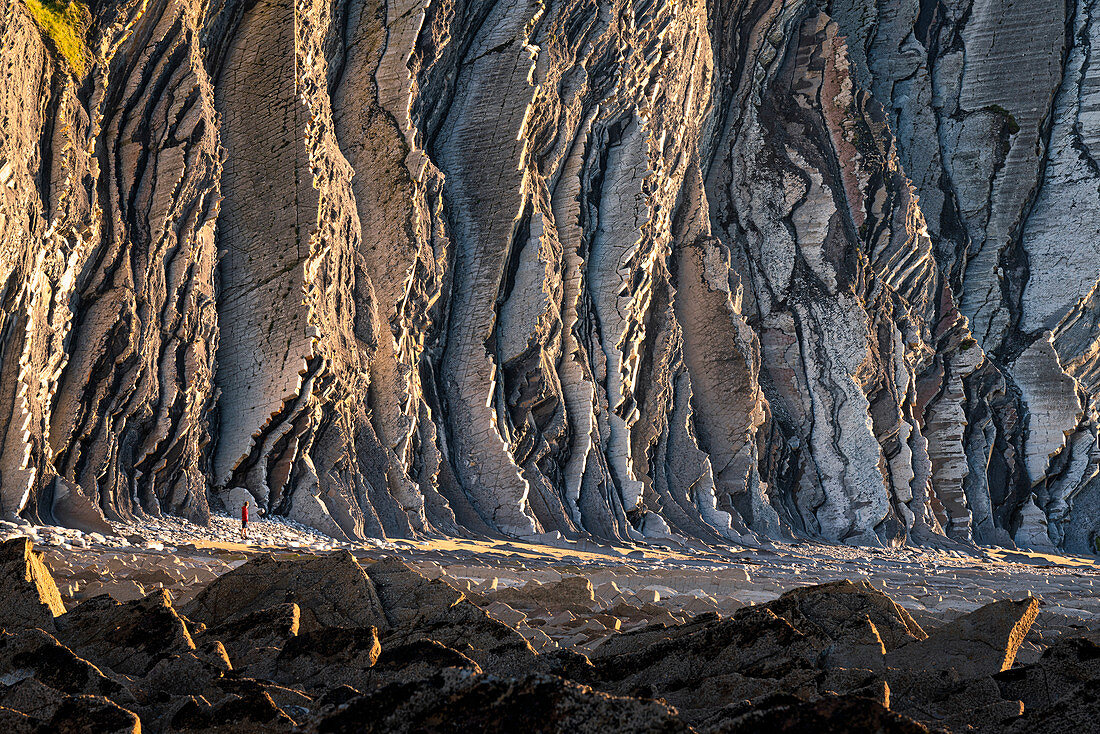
(244, 521)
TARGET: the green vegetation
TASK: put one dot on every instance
(966, 344)
(1011, 125)
(65, 23)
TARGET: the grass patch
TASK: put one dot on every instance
(1011, 125)
(65, 22)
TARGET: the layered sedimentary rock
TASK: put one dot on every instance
(620, 269)
(334, 643)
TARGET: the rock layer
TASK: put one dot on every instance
(622, 269)
(424, 656)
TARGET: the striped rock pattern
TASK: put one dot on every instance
(616, 269)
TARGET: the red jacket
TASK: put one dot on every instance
(244, 514)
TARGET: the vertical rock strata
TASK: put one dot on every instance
(991, 103)
(620, 269)
(108, 320)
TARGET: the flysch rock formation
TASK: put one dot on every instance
(616, 270)
(341, 643)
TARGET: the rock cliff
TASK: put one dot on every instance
(623, 269)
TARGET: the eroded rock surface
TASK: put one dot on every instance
(982, 642)
(30, 596)
(329, 591)
(129, 637)
(537, 704)
(624, 270)
(833, 657)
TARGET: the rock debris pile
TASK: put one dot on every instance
(323, 643)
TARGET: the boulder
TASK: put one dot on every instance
(457, 700)
(30, 597)
(572, 592)
(1065, 665)
(1076, 712)
(506, 614)
(234, 498)
(408, 598)
(840, 610)
(254, 639)
(128, 638)
(330, 590)
(31, 706)
(118, 589)
(291, 700)
(35, 654)
(980, 643)
(859, 644)
(495, 646)
(828, 715)
(189, 673)
(702, 665)
(946, 699)
(421, 609)
(31, 697)
(416, 661)
(92, 715)
(250, 713)
(325, 658)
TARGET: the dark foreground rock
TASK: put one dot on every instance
(30, 597)
(324, 644)
(463, 702)
(128, 638)
(92, 715)
(34, 656)
(980, 643)
(330, 591)
(827, 715)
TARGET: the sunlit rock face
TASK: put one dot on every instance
(619, 269)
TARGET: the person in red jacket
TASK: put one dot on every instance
(244, 520)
